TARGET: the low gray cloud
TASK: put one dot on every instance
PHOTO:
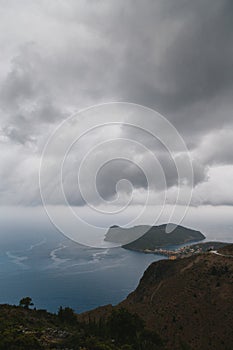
(171, 55)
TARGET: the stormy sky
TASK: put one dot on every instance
(173, 56)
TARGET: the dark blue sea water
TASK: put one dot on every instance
(37, 261)
(55, 271)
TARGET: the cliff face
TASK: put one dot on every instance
(188, 302)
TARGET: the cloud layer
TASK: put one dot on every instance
(174, 56)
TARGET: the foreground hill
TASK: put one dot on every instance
(188, 302)
(25, 329)
(154, 237)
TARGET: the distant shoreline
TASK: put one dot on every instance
(183, 250)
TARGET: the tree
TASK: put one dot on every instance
(124, 327)
(67, 315)
(26, 302)
(11, 339)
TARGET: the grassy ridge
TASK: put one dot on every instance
(25, 329)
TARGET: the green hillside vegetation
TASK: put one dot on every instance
(156, 237)
(24, 329)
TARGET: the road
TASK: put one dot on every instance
(217, 253)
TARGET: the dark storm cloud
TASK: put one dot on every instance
(111, 173)
(26, 101)
(189, 71)
(168, 55)
(198, 64)
(175, 56)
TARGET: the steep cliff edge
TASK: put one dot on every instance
(188, 302)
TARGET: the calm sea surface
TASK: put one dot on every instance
(37, 261)
(55, 271)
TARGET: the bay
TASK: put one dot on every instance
(55, 271)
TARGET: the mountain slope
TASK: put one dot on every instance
(188, 302)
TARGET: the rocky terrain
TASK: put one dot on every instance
(188, 302)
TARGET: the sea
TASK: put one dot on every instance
(36, 260)
(55, 271)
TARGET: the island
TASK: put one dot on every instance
(155, 237)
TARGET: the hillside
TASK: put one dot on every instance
(188, 302)
(226, 249)
(25, 329)
(156, 237)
